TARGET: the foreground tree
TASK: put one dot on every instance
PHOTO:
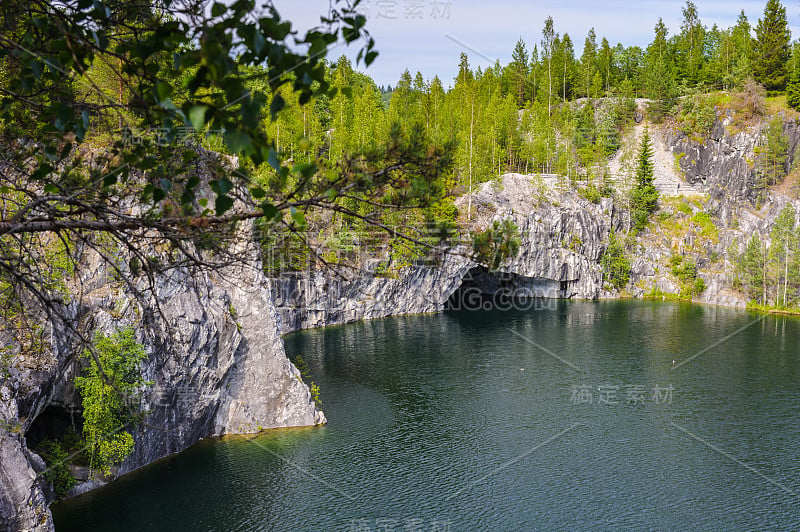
(105, 106)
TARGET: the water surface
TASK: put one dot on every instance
(581, 416)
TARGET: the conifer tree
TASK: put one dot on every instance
(743, 48)
(605, 62)
(793, 90)
(690, 44)
(519, 72)
(644, 198)
(793, 86)
(750, 267)
(588, 63)
(548, 39)
(567, 55)
(771, 47)
(659, 81)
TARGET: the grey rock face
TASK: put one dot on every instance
(217, 365)
(723, 165)
(563, 235)
(23, 504)
(215, 360)
(563, 238)
(315, 300)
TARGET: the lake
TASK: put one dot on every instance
(606, 415)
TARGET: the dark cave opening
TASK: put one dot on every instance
(482, 289)
(54, 423)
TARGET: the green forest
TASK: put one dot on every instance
(124, 100)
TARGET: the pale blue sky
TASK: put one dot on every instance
(424, 35)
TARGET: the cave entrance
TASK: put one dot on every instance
(54, 423)
(482, 289)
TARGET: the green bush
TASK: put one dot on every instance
(685, 270)
(590, 193)
(615, 263)
(696, 115)
(57, 472)
(110, 384)
(496, 244)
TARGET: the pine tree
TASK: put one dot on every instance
(770, 166)
(519, 72)
(690, 43)
(782, 236)
(743, 47)
(605, 63)
(659, 80)
(793, 90)
(567, 55)
(644, 198)
(750, 267)
(771, 47)
(549, 36)
(588, 63)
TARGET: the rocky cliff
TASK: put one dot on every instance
(216, 359)
(563, 236)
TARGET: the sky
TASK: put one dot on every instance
(429, 35)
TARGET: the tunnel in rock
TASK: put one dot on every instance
(482, 289)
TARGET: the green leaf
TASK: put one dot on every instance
(258, 42)
(277, 104)
(158, 194)
(308, 170)
(100, 39)
(258, 193)
(41, 172)
(273, 160)
(100, 11)
(224, 185)
(298, 218)
(197, 116)
(370, 57)
(238, 142)
(218, 9)
(270, 211)
(65, 151)
(222, 204)
(37, 68)
(163, 91)
(64, 116)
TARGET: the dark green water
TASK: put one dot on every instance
(459, 422)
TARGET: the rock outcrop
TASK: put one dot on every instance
(724, 164)
(215, 356)
(215, 361)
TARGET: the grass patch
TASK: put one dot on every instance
(706, 228)
(773, 309)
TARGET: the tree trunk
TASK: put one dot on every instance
(471, 124)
